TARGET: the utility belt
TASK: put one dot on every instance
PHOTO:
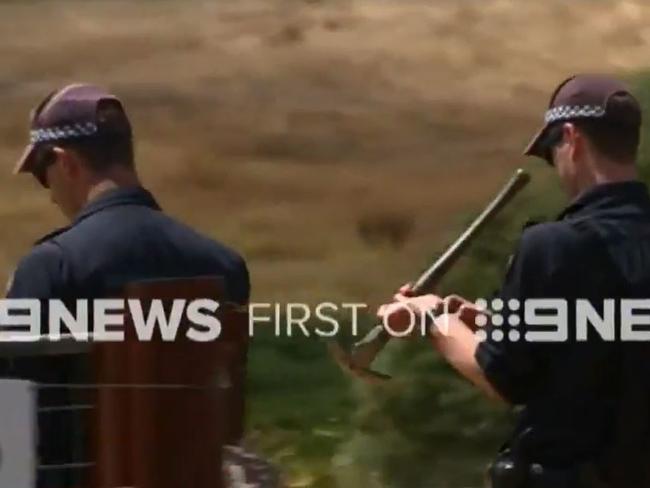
(509, 472)
(513, 469)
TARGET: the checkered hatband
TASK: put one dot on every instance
(64, 132)
(566, 112)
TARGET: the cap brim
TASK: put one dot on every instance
(26, 161)
(535, 146)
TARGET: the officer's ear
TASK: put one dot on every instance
(69, 161)
(572, 136)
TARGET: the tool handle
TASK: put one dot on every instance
(444, 263)
(365, 351)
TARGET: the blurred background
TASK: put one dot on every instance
(339, 145)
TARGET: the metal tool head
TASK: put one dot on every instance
(346, 362)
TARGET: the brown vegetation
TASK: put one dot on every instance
(294, 130)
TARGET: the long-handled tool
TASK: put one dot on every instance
(358, 361)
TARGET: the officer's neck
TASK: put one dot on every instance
(605, 171)
(117, 178)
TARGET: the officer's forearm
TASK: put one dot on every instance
(456, 342)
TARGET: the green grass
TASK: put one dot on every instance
(300, 406)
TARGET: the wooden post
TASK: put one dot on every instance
(184, 399)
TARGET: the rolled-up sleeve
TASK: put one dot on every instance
(538, 269)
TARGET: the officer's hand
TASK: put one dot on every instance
(407, 314)
(464, 309)
(405, 290)
(451, 303)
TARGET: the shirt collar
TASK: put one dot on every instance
(135, 195)
(608, 195)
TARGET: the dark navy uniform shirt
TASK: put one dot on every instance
(119, 237)
(598, 248)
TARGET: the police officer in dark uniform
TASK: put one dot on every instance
(82, 151)
(584, 419)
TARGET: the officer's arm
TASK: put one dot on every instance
(38, 274)
(541, 268)
(457, 343)
(241, 287)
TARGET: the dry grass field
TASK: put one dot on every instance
(335, 143)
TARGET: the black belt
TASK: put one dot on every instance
(506, 473)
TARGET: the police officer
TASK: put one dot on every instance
(584, 416)
(81, 149)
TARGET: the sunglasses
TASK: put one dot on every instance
(553, 138)
(45, 158)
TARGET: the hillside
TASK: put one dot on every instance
(334, 142)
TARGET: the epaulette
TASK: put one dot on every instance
(52, 234)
